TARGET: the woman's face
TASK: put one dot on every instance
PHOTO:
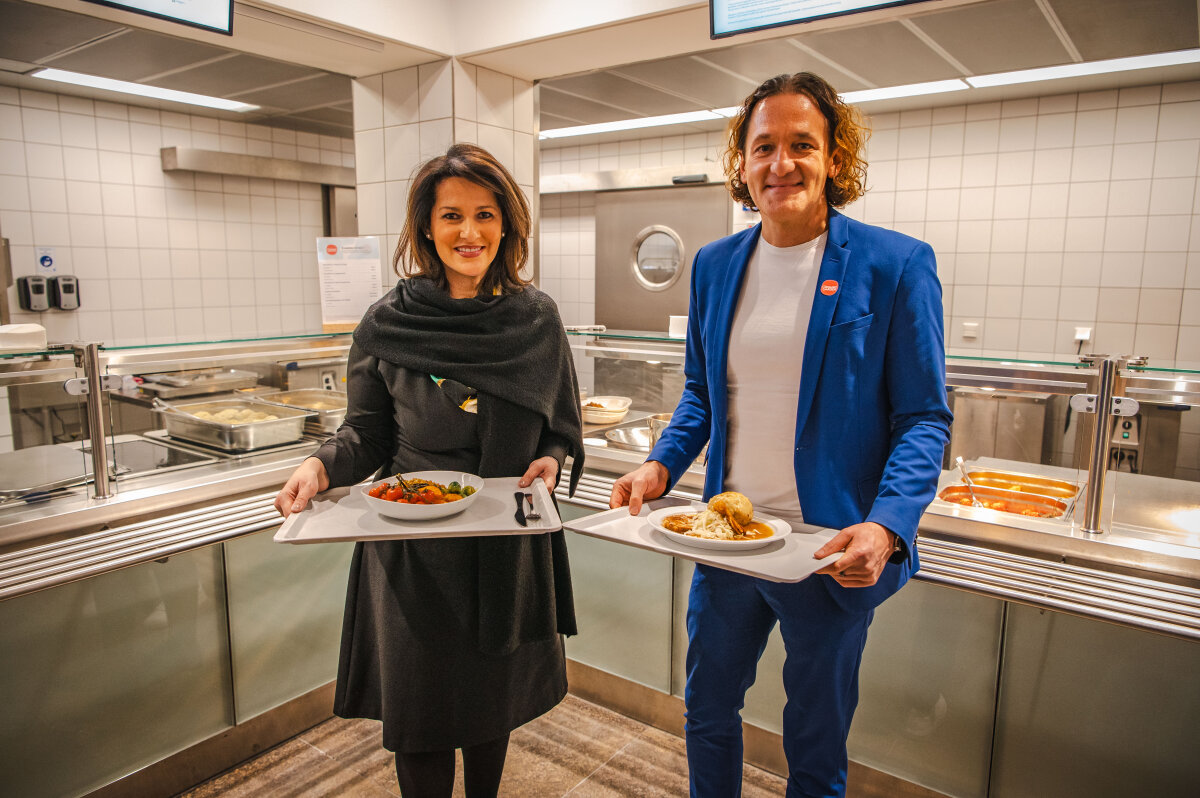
(466, 228)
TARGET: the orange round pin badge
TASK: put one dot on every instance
(829, 287)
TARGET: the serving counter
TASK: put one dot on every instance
(161, 634)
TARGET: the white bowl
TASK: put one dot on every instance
(613, 410)
(425, 512)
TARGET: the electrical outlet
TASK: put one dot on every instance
(328, 380)
(970, 330)
(1083, 334)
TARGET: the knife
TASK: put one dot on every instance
(520, 516)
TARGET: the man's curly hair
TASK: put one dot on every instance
(847, 137)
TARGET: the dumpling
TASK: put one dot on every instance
(733, 506)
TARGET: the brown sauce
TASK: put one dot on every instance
(755, 530)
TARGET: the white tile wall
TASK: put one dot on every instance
(406, 117)
(1045, 213)
(160, 256)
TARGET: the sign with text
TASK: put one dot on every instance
(730, 17)
(349, 272)
(214, 15)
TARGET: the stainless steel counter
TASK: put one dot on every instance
(1130, 575)
(1135, 574)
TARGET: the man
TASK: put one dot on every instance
(815, 370)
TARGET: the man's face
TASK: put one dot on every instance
(786, 162)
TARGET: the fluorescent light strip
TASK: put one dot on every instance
(125, 87)
(910, 90)
(629, 124)
(1089, 68)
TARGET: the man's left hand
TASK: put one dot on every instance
(865, 549)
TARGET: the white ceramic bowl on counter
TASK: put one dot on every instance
(604, 409)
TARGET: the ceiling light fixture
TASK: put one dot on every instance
(125, 87)
(1174, 58)
(908, 90)
(629, 124)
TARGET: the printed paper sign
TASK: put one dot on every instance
(349, 272)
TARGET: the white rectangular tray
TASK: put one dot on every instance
(342, 514)
(787, 560)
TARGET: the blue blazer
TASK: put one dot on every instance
(872, 420)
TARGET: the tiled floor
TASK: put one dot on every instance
(577, 749)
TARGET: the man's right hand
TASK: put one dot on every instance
(648, 481)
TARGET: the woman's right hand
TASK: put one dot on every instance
(306, 481)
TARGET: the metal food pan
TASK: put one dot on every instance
(200, 381)
(181, 423)
(329, 407)
(1025, 483)
(1009, 501)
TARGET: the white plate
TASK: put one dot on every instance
(655, 518)
(424, 512)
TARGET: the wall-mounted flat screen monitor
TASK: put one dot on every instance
(214, 15)
(730, 17)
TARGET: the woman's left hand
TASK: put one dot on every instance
(544, 467)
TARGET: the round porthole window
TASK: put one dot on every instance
(657, 258)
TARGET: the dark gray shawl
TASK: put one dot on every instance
(512, 349)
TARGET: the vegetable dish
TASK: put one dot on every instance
(420, 491)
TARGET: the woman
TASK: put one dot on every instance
(455, 642)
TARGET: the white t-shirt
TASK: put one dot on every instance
(766, 350)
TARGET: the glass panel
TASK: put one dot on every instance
(285, 618)
(266, 339)
(1094, 710)
(102, 677)
(1152, 487)
(927, 689)
(623, 606)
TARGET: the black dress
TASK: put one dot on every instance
(415, 649)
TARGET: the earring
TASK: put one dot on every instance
(430, 237)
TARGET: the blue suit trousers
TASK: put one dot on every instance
(729, 619)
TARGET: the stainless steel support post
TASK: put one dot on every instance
(1101, 437)
(87, 357)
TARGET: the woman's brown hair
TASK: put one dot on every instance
(847, 137)
(480, 167)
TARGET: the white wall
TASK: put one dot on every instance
(160, 256)
(404, 118)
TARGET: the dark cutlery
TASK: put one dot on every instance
(532, 514)
(520, 516)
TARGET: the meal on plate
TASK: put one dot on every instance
(1002, 506)
(730, 516)
(420, 491)
(232, 415)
